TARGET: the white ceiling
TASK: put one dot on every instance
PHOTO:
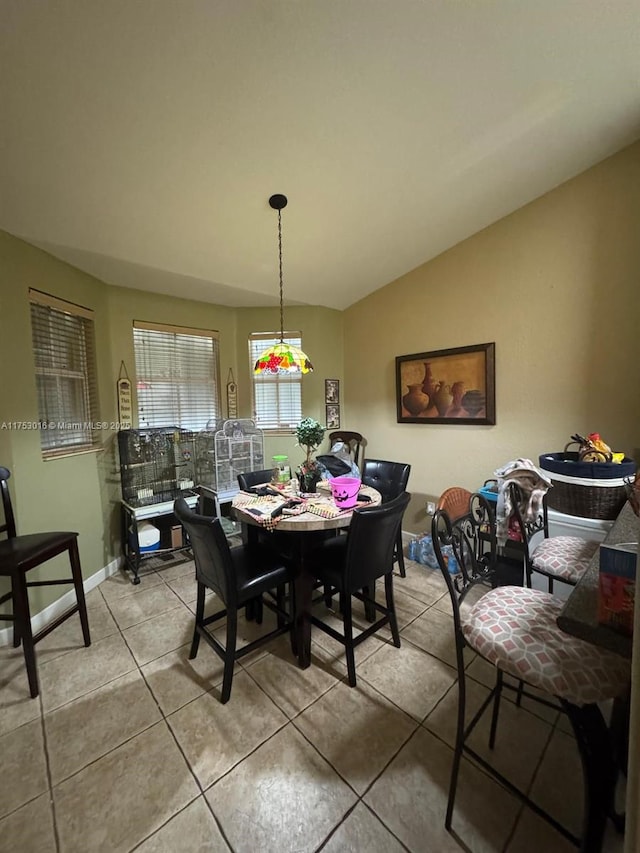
(141, 139)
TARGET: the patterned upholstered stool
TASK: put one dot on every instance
(562, 558)
(515, 629)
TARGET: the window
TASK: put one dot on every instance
(277, 400)
(177, 376)
(64, 353)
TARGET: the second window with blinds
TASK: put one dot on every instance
(177, 376)
(276, 400)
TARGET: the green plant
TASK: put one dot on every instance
(309, 434)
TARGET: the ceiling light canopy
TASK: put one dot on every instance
(281, 358)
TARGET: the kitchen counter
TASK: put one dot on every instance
(580, 613)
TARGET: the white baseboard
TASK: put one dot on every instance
(46, 616)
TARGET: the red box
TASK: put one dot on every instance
(617, 586)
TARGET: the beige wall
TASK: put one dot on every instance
(555, 285)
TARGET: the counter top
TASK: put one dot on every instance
(580, 613)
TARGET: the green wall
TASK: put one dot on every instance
(82, 493)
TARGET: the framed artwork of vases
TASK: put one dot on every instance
(447, 386)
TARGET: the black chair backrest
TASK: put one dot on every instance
(472, 539)
(389, 478)
(9, 525)
(519, 508)
(254, 478)
(353, 440)
(211, 552)
(371, 540)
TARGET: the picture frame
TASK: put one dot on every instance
(332, 417)
(332, 391)
(449, 386)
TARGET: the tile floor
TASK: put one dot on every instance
(128, 748)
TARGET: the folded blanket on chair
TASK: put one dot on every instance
(533, 485)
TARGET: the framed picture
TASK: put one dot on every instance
(333, 417)
(447, 386)
(332, 391)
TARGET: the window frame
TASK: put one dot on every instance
(69, 415)
(175, 382)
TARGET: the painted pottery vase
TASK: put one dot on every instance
(441, 398)
(457, 392)
(473, 402)
(415, 401)
(428, 385)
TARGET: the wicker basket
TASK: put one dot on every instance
(586, 489)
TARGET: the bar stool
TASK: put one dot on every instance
(20, 554)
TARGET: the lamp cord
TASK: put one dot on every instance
(280, 260)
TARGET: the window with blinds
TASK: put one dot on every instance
(177, 376)
(277, 400)
(66, 380)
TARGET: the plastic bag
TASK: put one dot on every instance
(421, 550)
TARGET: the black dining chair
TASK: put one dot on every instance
(515, 629)
(20, 554)
(353, 440)
(236, 575)
(390, 479)
(273, 540)
(558, 558)
(351, 564)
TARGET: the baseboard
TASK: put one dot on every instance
(52, 611)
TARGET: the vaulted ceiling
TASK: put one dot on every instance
(141, 139)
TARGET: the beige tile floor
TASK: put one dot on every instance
(128, 747)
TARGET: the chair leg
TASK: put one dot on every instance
(229, 654)
(258, 609)
(348, 637)
(249, 611)
(280, 605)
(551, 585)
(199, 617)
(599, 770)
(391, 607)
(399, 555)
(16, 624)
(23, 618)
(457, 752)
(496, 707)
(328, 598)
(369, 593)
(292, 616)
(76, 571)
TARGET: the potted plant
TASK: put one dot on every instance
(309, 434)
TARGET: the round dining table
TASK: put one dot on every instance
(314, 517)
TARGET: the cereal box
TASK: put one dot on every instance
(617, 585)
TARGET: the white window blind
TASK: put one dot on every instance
(277, 400)
(177, 376)
(64, 353)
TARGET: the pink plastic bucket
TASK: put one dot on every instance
(345, 491)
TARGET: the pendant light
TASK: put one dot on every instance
(281, 358)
